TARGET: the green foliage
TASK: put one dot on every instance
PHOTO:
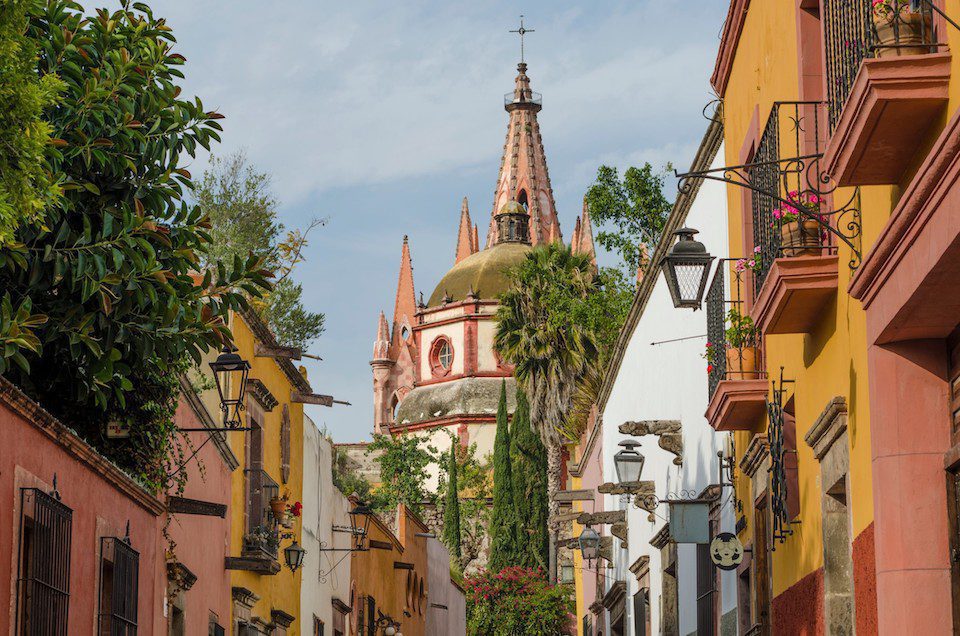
(403, 472)
(244, 218)
(556, 324)
(473, 486)
(345, 477)
(504, 546)
(516, 602)
(529, 474)
(112, 265)
(451, 507)
(26, 187)
(741, 331)
(634, 209)
(17, 334)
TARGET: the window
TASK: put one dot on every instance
(215, 628)
(43, 566)
(371, 616)
(317, 627)
(119, 572)
(441, 356)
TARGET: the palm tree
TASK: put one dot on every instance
(552, 351)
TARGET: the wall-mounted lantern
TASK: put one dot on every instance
(686, 268)
(360, 516)
(229, 371)
(589, 542)
(628, 462)
(293, 555)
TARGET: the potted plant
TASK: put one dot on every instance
(799, 229)
(900, 31)
(278, 506)
(741, 351)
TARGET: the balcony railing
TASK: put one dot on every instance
(853, 32)
(728, 359)
(784, 173)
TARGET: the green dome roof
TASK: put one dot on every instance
(485, 272)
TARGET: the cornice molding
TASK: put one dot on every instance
(34, 414)
(729, 41)
(828, 428)
(757, 451)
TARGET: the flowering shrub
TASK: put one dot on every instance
(790, 212)
(883, 8)
(516, 602)
(296, 509)
(752, 263)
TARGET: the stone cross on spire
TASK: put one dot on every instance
(522, 31)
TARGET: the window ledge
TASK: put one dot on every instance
(893, 104)
(795, 293)
(738, 405)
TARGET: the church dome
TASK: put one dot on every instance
(465, 397)
(485, 272)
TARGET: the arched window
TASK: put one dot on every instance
(523, 201)
(441, 356)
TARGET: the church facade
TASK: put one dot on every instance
(435, 369)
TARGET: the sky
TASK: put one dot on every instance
(382, 116)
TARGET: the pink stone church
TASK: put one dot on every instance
(434, 366)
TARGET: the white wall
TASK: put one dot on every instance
(669, 381)
(446, 612)
(323, 507)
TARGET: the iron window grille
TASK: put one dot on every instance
(851, 35)
(43, 564)
(782, 524)
(785, 176)
(119, 583)
(718, 307)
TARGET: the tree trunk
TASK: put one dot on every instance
(554, 482)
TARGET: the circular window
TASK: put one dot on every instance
(441, 356)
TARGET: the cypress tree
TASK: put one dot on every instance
(451, 508)
(530, 487)
(503, 520)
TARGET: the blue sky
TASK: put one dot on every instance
(383, 115)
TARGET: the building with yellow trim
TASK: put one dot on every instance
(265, 593)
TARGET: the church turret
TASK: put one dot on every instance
(582, 240)
(405, 307)
(513, 224)
(523, 170)
(465, 235)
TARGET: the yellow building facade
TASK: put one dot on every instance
(266, 594)
(830, 115)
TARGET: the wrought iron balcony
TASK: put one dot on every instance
(854, 32)
(735, 374)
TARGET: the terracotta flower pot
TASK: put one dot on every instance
(912, 28)
(742, 363)
(800, 238)
(278, 507)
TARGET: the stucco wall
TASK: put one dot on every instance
(446, 610)
(668, 381)
(326, 575)
(30, 458)
(208, 479)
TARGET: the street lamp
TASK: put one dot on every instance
(293, 555)
(686, 267)
(230, 370)
(628, 462)
(360, 522)
(589, 542)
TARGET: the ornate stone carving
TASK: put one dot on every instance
(668, 432)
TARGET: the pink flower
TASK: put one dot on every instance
(756, 250)
(752, 263)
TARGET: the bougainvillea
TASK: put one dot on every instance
(516, 602)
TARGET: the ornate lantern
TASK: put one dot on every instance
(360, 522)
(686, 268)
(589, 544)
(293, 555)
(628, 462)
(229, 371)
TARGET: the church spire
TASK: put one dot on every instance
(405, 307)
(465, 242)
(582, 241)
(523, 170)
(381, 346)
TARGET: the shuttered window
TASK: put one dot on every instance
(43, 566)
(119, 578)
